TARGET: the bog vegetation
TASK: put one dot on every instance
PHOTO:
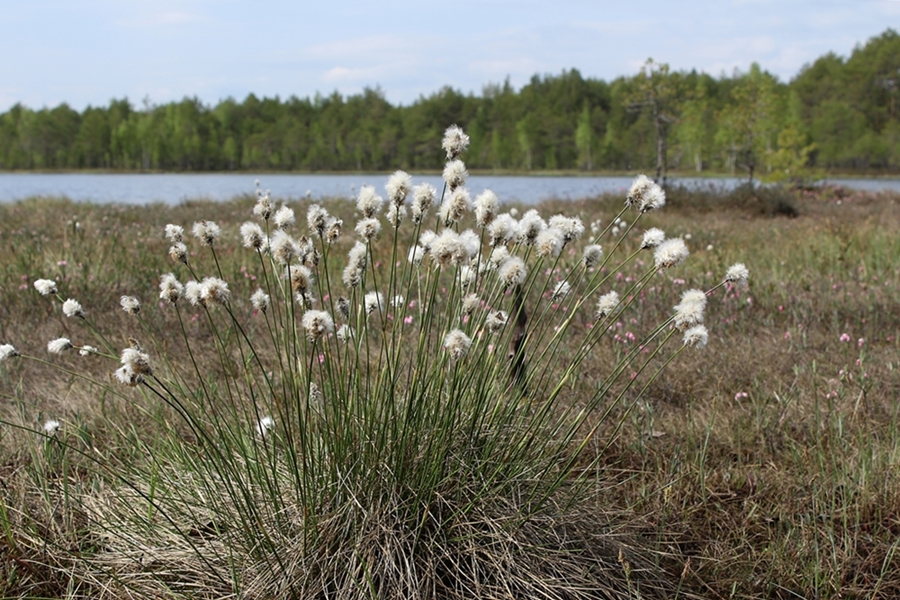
(836, 114)
(392, 399)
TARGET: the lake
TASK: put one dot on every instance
(173, 188)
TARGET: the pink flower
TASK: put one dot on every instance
(61, 263)
(860, 342)
(408, 320)
(787, 335)
(321, 358)
(845, 337)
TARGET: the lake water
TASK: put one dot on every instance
(171, 188)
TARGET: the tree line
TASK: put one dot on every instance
(837, 114)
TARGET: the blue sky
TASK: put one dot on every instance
(89, 51)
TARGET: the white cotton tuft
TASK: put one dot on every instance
(46, 287)
(670, 253)
(457, 344)
(72, 308)
(455, 141)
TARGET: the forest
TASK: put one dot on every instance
(836, 115)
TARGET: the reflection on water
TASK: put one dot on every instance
(174, 188)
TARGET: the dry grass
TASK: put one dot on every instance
(754, 469)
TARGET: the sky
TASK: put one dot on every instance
(87, 52)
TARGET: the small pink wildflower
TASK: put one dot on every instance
(860, 342)
(787, 335)
(408, 320)
(740, 395)
(845, 337)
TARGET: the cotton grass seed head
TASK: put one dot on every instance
(170, 290)
(88, 351)
(561, 290)
(689, 311)
(72, 308)
(283, 247)
(395, 213)
(398, 186)
(130, 305)
(448, 249)
(46, 287)
(737, 272)
(264, 426)
(192, 292)
(174, 233)
(416, 254)
(530, 227)
(260, 300)
(455, 142)
(571, 227)
(137, 361)
(423, 198)
(368, 202)
(344, 333)
(653, 199)
(252, 236)
(593, 254)
(333, 227)
(503, 230)
(607, 304)
(214, 291)
(639, 187)
(179, 253)
(653, 237)
(59, 345)
(486, 206)
(317, 323)
(549, 242)
(284, 217)
(301, 278)
(51, 427)
(8, 351)
(207, 232)
(512, 272)
(317, 219)
(470, 303)
(455, 206)
(457, 344)
(696, 337)
(455, 174)
(373, 301)
(263, 208)
(126, 376)
(496, 320)
(670, 253)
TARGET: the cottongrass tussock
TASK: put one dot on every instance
(439, 379)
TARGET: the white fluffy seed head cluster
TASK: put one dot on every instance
(214, 291)
(264, 426)
(367, 228)
(284, 217)
(72, 308)
(253, 237)
(470, 303)
(301, 278)
(607, 304)
(571, 227)
(130, 305)
(512, 272)
(356, 265)
(263, 208)
(368, 202)
(46, 287)
(344, 333)
(486, 206)
(696, 337)
(373, 301)
(736, 273)
(174, 233)
(283, 247)
(423, 198)
(593, 254)
(170, 290)
(496, 320)
(260, 300)
(59, 345)
(317, 323)
(51, 427)
(653, 237)
(670, 253)
(645, 195)
(529, 228)
(455, 174)
(398, 187)
(457, 344)
(207, 232)
(179, 253)
(689, 311)
(455, 206)
(561, 290)
(8, 351)
(549, 242)
(88, 351)
(455, 142)
(416, 254)
(135, 366)
(503, 230)
(448, 249)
